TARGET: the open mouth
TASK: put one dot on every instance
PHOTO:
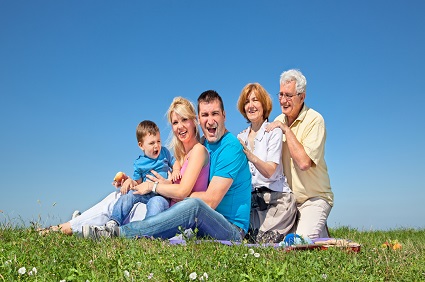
(212, 130)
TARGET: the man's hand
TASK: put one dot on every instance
(276, 124)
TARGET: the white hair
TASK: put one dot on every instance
(297, 76)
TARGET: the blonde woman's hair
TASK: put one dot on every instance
(184, 108)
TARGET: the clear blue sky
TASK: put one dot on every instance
(76, 77)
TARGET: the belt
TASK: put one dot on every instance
(261, 189)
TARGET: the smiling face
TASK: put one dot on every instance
(253, 108)
(212, 118)
(291, 107)
(151, 145)
(183, 128)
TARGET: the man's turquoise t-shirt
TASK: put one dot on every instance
(229, 161)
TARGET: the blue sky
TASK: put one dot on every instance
(76, 77)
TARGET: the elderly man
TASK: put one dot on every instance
(303, 155)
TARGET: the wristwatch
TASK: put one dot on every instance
(155, 184)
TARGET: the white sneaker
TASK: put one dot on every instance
(111, 224)
(75, 214)
(96, 232)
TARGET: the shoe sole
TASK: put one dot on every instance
(85, 231)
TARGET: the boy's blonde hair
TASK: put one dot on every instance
(144, 128)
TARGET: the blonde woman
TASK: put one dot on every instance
(187, 150)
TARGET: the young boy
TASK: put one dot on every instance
(154, 157)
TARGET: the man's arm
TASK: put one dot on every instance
(215, 192)
(296, 149)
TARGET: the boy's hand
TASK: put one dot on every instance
(175, 175)
(119, 179)
(127, 185)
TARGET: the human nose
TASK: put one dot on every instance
(210, 121)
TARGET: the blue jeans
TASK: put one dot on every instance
(189, 213)
(154, 205)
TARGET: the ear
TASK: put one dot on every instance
(140, 144)
(302, 97)
(224, 115)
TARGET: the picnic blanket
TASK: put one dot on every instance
(317, 244)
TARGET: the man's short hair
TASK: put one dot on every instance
(209, 96)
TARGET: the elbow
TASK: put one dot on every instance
(268, 175)
(212, 204)
(181, 196)
(304, 166)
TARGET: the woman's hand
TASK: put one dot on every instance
(250, 156)
(156, 177)
(143, 188)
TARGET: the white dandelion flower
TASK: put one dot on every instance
(257, 255)
(126, 273)
(33, 271)
(324, 276)
(245, 255)
(251, 251)
(193, 275)
(205, 275)
(22, 270)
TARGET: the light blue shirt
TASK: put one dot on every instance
(162, 164)
(229, 161)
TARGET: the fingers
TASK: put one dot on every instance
(151, 178)
(155, 173)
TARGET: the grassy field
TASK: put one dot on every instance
(27, 256)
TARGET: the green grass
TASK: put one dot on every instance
(59, 257)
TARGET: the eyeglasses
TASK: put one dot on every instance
(288, 97)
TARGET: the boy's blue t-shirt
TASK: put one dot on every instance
(162, 164)
(229, 161)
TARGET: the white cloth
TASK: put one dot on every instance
(267, 147)
(100, 213)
